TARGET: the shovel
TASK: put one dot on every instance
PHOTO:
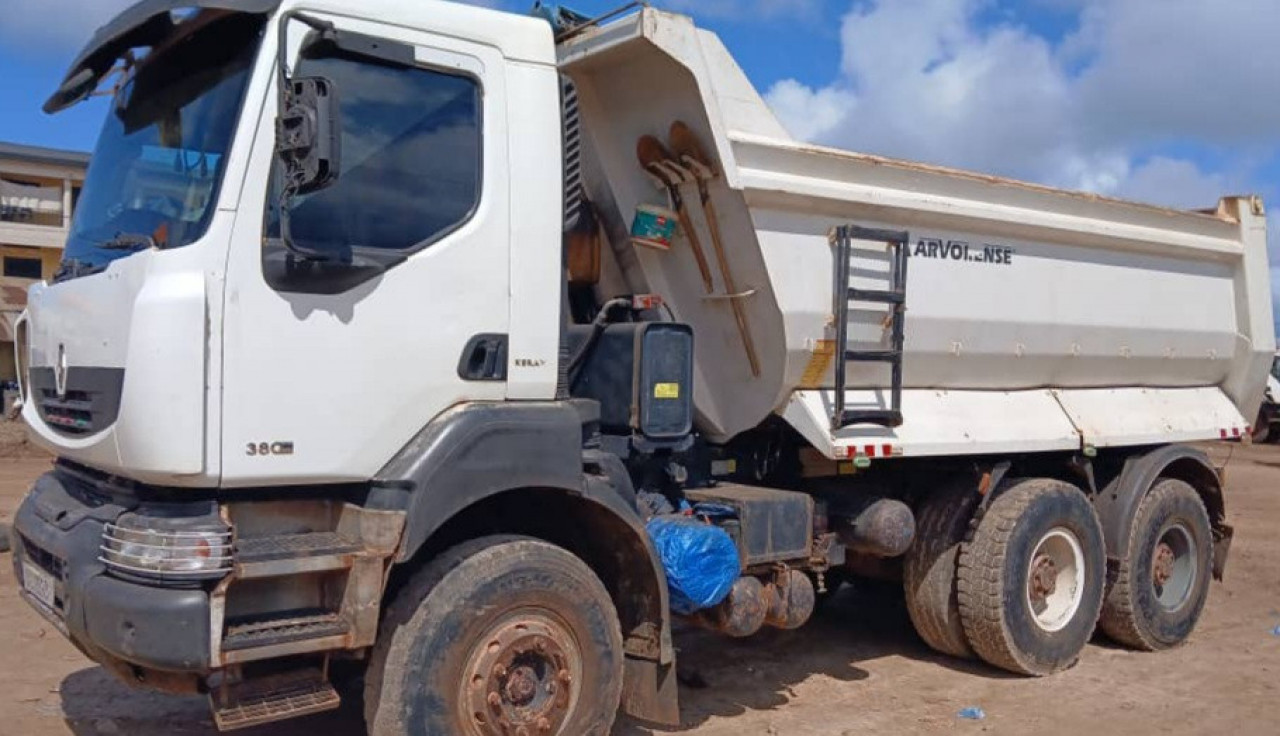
(685, 144)
(656, 160)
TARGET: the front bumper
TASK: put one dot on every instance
(59, 529)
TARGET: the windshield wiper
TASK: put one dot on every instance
(131, 241)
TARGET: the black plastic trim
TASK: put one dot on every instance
(110, 618)
(480, 450)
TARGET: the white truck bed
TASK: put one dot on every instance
(1036, 319)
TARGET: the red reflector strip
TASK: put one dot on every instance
(851, 452)
(1235, 432)
(1223, 433)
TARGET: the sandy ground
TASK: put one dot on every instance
(857, 669)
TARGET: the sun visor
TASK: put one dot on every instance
(144, 24)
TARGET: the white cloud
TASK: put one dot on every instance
(1175, 182)
(810, 113)
(929, 80)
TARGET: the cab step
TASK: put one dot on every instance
(283, 628)
(272, 698)
(292, 554)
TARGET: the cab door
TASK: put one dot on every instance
(330, 370)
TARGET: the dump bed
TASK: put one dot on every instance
(1035, 319)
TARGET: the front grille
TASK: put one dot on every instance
(88, 404)
(72, 414)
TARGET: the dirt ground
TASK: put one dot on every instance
(857, 669)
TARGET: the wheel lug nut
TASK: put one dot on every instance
(499, 671)
(544, 725)
(495, 699)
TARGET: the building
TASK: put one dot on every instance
(39, 188)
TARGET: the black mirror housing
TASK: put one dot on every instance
(309, 135)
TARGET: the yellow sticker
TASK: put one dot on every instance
(666, 391)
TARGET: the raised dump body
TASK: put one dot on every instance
(1035, 319)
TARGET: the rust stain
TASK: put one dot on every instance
(824, 352)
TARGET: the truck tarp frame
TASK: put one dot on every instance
(142, 24)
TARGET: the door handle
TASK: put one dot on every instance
(484, 359)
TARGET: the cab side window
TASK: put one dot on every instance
(411, 159)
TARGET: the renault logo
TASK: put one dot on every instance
(60, 373)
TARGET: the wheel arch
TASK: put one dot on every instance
(1117, 502)
(520, 468)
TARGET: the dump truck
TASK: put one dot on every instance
(386, 329)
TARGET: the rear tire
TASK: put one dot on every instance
(497, 634)
(1262, 431)
(1163, 581)
(929, 570)
(1031, 578)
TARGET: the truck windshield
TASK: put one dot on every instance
(155, 173)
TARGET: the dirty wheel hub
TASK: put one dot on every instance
(1162, 564)
(1044, 578)
(520, 679)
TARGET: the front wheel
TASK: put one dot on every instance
(501, 635)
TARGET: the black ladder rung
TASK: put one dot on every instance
(872, 295)
(873, 356)
(888, 418)
(876, 235)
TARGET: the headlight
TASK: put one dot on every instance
(151, 547)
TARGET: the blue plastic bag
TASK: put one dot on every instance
(700, 560)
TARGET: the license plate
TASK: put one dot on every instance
(38, 583)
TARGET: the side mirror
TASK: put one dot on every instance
(308, 135)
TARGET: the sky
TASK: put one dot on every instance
(1173, 102)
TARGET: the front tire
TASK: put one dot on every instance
(497, 635)
(1031, 578)
(1163, 581)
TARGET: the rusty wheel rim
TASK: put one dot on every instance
(522, 677)
(1173, 567)
(1055, 579)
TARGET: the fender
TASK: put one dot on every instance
(481, 457)
(475, 451)
(1117, 503)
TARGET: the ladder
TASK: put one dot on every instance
(895, 296)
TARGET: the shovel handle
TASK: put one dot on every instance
(726, 271)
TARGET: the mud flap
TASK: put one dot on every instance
(1222, 536)
(649, 691)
